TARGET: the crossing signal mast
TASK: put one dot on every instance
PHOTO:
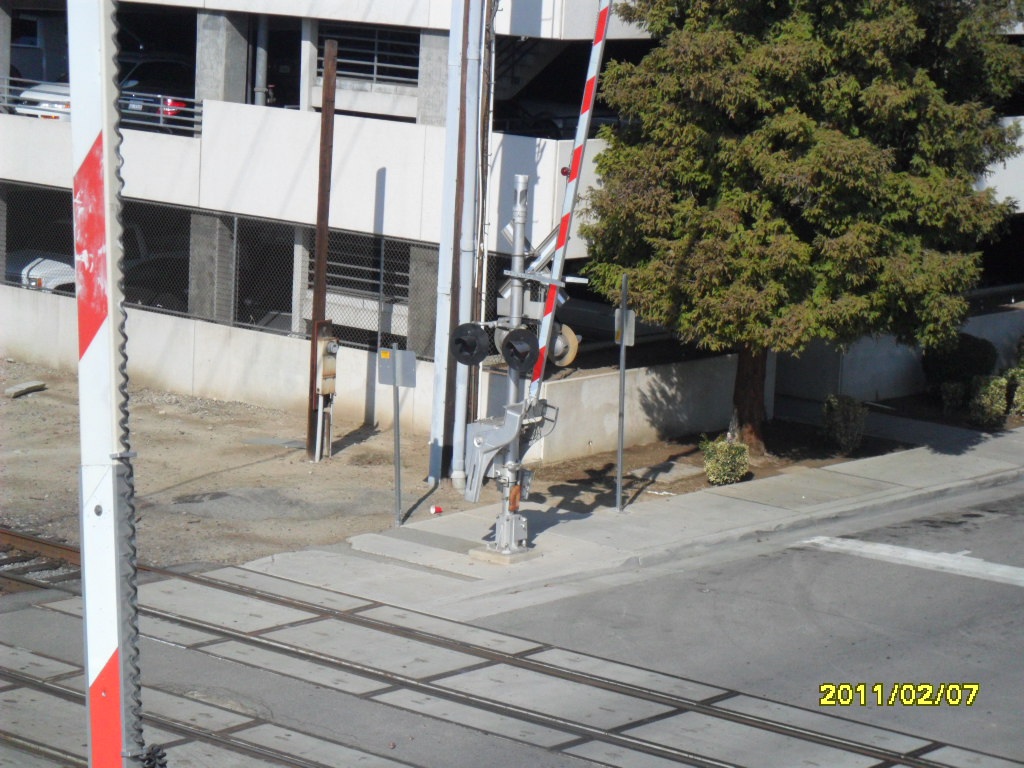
(495, 447)
(113, 701)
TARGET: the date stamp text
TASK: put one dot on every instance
(898, 694)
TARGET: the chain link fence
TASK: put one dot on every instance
(234, 270)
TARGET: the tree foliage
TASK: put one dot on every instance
(802, 169)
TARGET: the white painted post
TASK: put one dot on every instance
(107, 517)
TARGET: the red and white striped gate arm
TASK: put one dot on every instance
(97, 249)
(571, 192)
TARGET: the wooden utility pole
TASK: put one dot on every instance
(323, 206)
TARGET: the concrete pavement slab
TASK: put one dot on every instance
(610, 754)
(961, 758)
(15, 758)
(326, 598)
(182, 709)
(196, 754)
(373, 649)
(490, 722)
(623, 673)
(742, 745)
(305, 747)
(565, 699)
(801, 490)
(922, 468)
(34, 665)
(822, 722)
(482, 638)
(285, 664)
(216, 607)
(24, 709)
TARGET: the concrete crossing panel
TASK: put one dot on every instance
(282, 663)
(573, 702)
(216, 607)
(374, 649)
(743, 745)
(311, 748)
(482, 720)
(623, 673)
(465, 633)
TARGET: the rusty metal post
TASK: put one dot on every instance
(323, 206)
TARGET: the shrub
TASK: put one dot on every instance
(844, 419)
(971, 356)
(724, 462)
(987, 406)
(954, 395)
(1017, 402)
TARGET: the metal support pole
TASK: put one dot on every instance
(622, 392)
(470, 132)
(323, 205)
(260, 79)
(510, 529)
(396, 428)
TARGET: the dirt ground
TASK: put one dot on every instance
(227, 482)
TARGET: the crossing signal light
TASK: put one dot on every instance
(469, 344)
(520, 349)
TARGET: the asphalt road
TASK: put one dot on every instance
(924, 598)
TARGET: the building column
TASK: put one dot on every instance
(5, 39)
(3, 227)
(432, 89)
(422, 300)
(213, 268)
(222, 56)
(300, 280)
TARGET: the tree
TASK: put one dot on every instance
(790, 170)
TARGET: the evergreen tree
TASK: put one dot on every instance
(790, 170)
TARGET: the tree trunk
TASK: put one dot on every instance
(748, 398)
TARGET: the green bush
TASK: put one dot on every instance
(724, 462)
(844, 418)
(954, 395)
(1017, 402)
(987, 406)
(971, 356)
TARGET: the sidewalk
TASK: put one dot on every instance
(431, 565)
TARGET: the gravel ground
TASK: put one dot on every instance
(226, 482)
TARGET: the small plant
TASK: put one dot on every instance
(954, 395)
(725, 462)
(970, 356)
(1017, 402)
(987, 406)
(844, 418)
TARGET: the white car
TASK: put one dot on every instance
(47, 100)
(50, 266)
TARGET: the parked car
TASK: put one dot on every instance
(156, 89)
(151, 279)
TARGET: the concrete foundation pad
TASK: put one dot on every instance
(488, 555)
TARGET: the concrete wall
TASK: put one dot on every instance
(192, 357)
(203, 359)
(875, 369)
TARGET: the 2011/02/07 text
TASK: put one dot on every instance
(898, 694)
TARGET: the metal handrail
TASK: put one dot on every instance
(145, 111)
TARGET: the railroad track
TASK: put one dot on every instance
(29, 562)
(593, 679)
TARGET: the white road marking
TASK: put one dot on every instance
(935, 561)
